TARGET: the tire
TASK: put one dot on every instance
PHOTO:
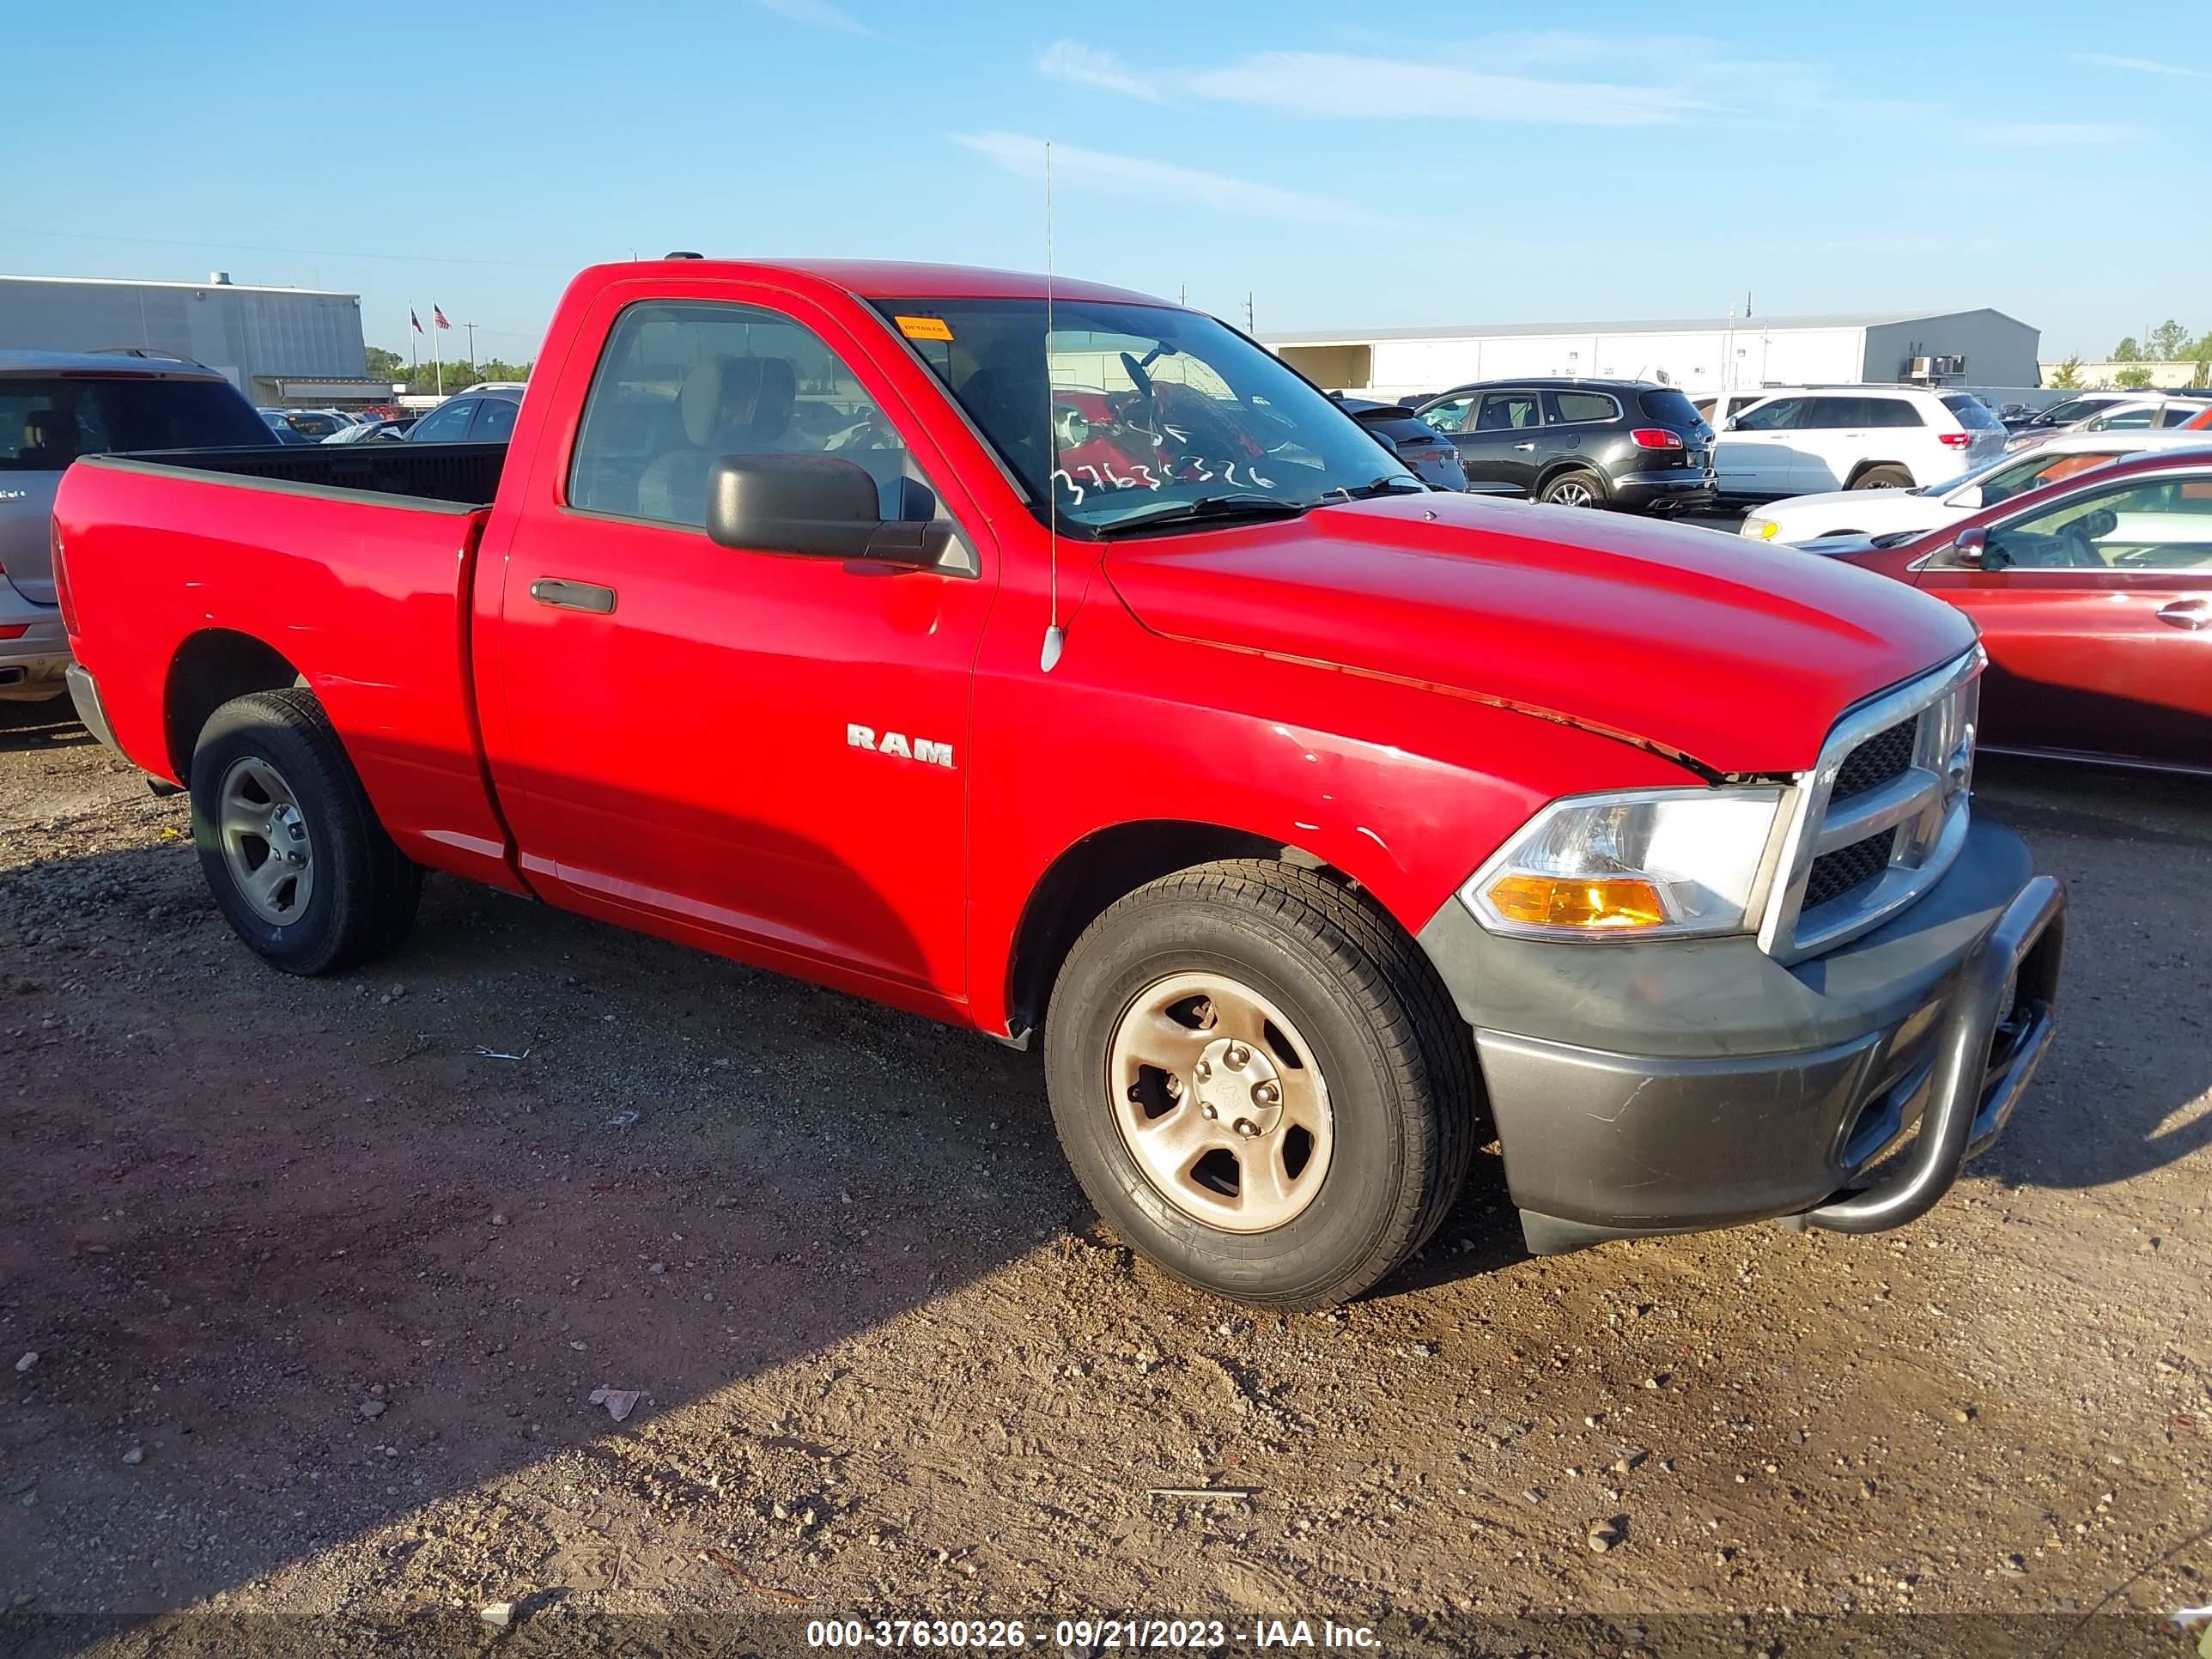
(1576, 487)
(1883, 477)
(1354, 1016)
(327, 891)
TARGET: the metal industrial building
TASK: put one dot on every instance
(1981, 347)
(278, 345)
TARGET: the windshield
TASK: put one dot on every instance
(1153, 411)
(2072, 410)
(44, 424)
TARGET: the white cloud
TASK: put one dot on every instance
(1136, 176)
(816, 14)
(2051, 134)
(2139, 65)
(1337, 83)
(1529, 77)
(1090, 66)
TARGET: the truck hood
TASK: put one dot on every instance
(1734, 656)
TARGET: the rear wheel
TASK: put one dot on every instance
(1260, 1083)
(291, 848)
(1883, 477)
(1577, 488)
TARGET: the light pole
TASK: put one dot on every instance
(471, 328)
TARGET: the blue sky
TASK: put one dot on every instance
(1347, 166)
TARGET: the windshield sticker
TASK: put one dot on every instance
(924, 328)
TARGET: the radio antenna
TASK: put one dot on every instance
(1055, 636)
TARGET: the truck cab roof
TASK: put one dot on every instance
(877, 279)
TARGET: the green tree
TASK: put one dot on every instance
(2132, 379)
(2167, 340)
(425, 377)
(2068, 376)
(2127, 351)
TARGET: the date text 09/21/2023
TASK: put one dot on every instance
(1089, 1635)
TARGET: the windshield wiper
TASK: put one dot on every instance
(1245, 505)
(1387, 484)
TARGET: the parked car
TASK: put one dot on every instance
(2055, 418)
(281, 428)
(485, 416)
(2152, 413)
(1633, 445)
(1427, 454)
(1871, 513)
(1852, 437)
(54, 407)
(365, 432)
(1276, 793)
(2092, 597)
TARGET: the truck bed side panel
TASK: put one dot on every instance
(360, 593)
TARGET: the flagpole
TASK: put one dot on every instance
(412, 331)
(437, 366)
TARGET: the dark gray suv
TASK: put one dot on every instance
(1633, 445)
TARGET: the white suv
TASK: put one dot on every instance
(1852, 437)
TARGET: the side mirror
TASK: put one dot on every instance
(816, 505)
(1971, 547)
(1731, 423)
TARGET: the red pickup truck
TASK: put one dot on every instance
(1321, 824)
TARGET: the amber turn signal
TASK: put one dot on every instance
(1611, 904)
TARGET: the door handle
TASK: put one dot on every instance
(1524, 445)
(573, 596)
(2184, 613)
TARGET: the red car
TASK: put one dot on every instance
(2094, 596)
(1067, 668)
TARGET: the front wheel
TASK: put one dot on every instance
(1260, 1083)
(291, 848)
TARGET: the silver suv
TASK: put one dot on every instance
(54, 407)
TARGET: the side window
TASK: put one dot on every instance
(2124, 420)
(1579, 408)
(2159, 526)
(1781, 415)
(448, 424)
(1449, 416)
(1507, 411)
(1833, 414)
(681, 384)
(495, 421)
(1894, 412)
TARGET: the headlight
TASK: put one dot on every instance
(1650, 863)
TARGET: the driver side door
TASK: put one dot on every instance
(2110, 653)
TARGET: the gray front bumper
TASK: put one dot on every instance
(1677, 1087)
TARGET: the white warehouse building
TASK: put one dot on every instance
(1973, 349)
(278, 345)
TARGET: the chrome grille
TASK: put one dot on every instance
(1881, 759)
(1848, 868)
(1881, 814)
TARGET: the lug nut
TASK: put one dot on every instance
(1205, 1069)
(1237, 1055)
(1265, 1094)
(1206, 1110)
(1246, 1127)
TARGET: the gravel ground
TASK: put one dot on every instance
(321, 1279)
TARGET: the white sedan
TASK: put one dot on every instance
(1892, 512)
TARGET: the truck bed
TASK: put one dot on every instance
(460, 475)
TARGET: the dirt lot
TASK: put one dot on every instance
(320, 1290)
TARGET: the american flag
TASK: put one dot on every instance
(413, 318)
(438, 317)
